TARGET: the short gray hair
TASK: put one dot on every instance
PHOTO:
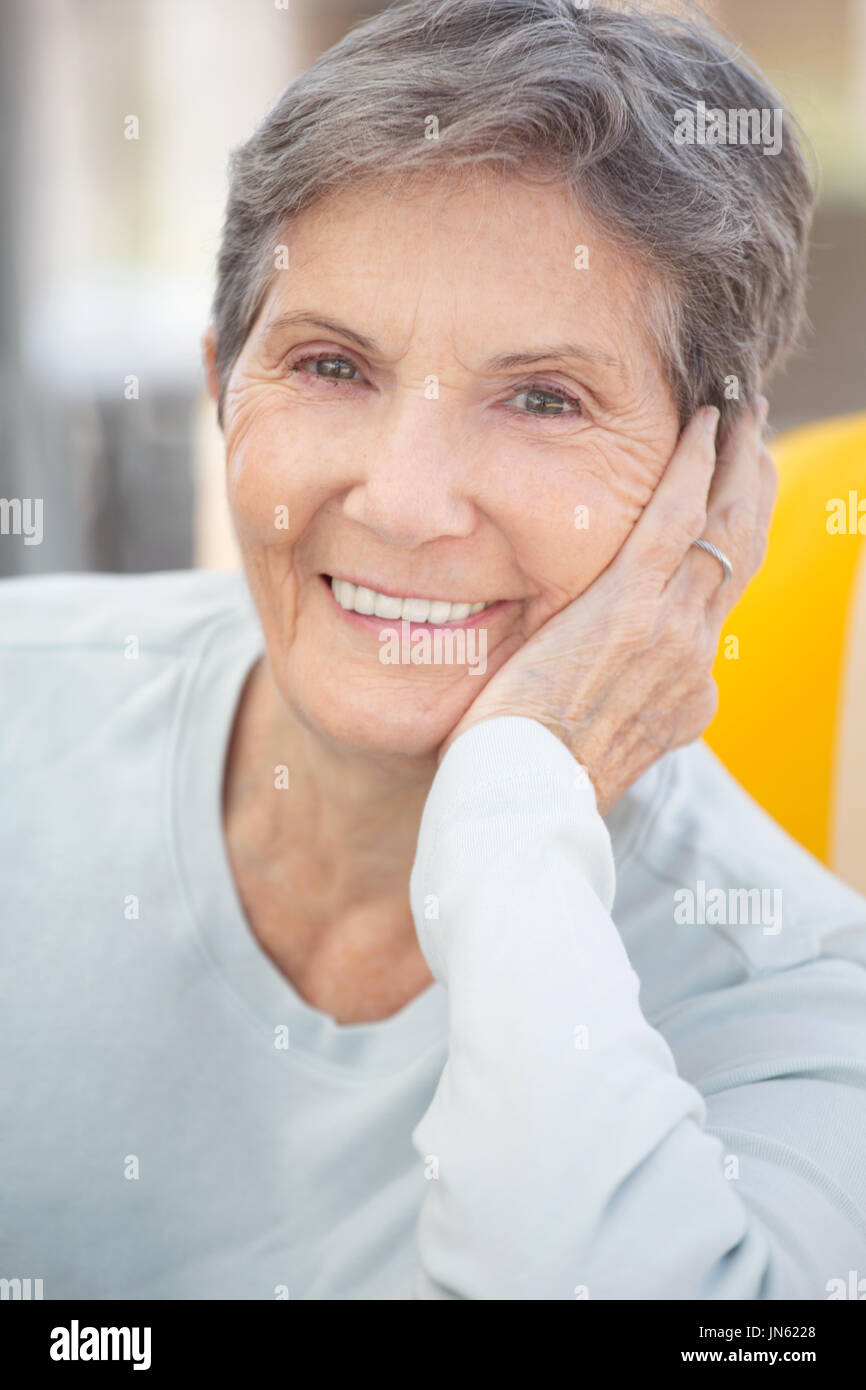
(585, 94)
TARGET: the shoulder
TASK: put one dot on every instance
(102, 678)
(86, 656)
(160, 611)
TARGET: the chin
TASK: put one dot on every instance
(391, 716)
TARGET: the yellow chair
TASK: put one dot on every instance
(791, 722)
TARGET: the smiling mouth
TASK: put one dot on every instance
(355, 598)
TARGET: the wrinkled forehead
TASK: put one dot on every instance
(478, 268)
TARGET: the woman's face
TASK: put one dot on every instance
(443, 398)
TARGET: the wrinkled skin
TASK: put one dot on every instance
(420, 466)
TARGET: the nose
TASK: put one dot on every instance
(413, 486)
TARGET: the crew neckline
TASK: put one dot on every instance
(209, 702)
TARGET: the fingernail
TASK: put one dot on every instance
(711, 419)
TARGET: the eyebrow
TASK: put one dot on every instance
(559, 351)
(504, 362)
(317, 321)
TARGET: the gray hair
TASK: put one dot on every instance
(584, 94)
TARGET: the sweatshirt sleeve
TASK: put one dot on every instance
(565, 1156)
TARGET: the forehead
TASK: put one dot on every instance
(491, 262)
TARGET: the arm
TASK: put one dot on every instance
(573, 1160)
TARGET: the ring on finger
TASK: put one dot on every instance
(719, 555)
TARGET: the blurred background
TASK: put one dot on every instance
(109, 245)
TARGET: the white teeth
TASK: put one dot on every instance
(356, 598)
(365, 599)
(388, 607)
(344, 592)
(439, 611)
(416, 609)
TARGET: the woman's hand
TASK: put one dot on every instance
(624, 673)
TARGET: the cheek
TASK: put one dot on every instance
(566, 526)
(605, 515)
(274, 480)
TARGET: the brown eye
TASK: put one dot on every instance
(537, 401)
(333, 368)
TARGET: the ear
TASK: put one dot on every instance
(209, 352)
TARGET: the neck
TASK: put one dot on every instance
(322, 866)
(338, 799)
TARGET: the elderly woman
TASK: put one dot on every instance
(378, 925)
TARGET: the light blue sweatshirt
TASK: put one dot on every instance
(641, 1072)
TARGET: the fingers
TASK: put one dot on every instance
(739, 508)
(676, 513)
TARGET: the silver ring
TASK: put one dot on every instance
(720, 556)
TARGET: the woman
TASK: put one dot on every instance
(350, 963)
